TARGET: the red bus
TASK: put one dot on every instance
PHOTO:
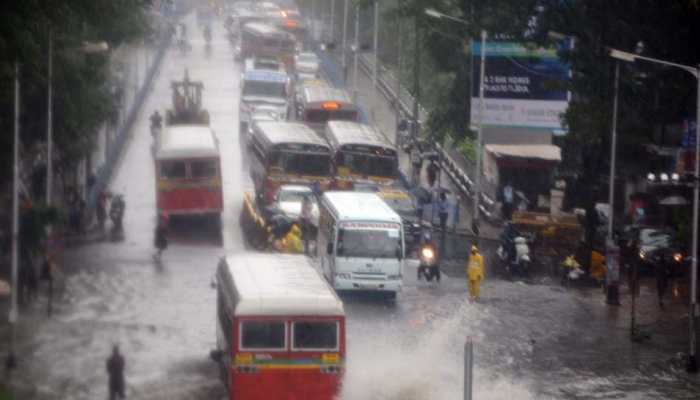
(262, 40)
(280, 329)
(287, 153)
(188, 171)
(361, 154)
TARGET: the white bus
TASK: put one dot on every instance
(280, 328)
(360, 243)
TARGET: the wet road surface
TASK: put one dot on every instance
(532, 341)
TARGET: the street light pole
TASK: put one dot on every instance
(11, 361)
(398, 73)
(345, 39)
(332, 21)
(375, 68)
(477, 177)
(692, 365)
(356, 53)
(49, 126)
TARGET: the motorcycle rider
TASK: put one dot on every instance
(116, 211)
(508, 242)
(429, 261)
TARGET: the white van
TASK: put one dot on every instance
(360, 243)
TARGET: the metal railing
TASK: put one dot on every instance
(386, 84)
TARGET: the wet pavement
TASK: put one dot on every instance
(533, 340)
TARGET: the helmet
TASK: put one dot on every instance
(474, 249)
(295, 229)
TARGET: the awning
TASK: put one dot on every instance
(546, 152)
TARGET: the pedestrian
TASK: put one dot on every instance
(115, 370)
(416, 163)
(475, 273)
(101, 210)
(161, 237)
(431, 172)
(443, 208)
(305, 221)
(48, 271)
(507, 208)
(662, 273)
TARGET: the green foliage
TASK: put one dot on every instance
(81, 97)
(467, 147)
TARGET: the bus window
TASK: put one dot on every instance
(301, 163)
(316, 335)
(203, 169)
(269, 335)
(369, 165)
(173, 170)
(317, 116)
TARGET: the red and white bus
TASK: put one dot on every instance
(318, 104)
(280, 329)
(188, 171)
(361, 154)
(287, 153)
(261, 40)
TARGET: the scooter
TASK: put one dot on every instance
(429, 266)
(520, 265)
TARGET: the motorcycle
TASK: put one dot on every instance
(518, 263)
(116, 211)
(429, 266)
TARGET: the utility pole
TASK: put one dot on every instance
(398, 73)
(416, 79)
(357, 51)
(479, 144)
(49, 127)
(11, 357)
(376, 44)
(344, 61)
(468, 369)
(332, 21)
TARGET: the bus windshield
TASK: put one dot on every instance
(301, 163)
(368, 164)
(264, 88)
(369, 243)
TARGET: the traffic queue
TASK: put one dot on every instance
(324, 184)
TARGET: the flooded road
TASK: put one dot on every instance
(532, 341)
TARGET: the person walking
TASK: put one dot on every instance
(161, 238)
(443, 208)
(475, 273)
(662, 273)
(416, 163)
(508, 200)
(431, 172)
(101, 210)
(115, 370)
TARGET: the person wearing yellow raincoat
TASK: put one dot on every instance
(292, 241)
(475, 273)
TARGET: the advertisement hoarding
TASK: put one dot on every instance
(523, 86)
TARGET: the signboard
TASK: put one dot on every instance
(523, 86)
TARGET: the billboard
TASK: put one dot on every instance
(523, 86)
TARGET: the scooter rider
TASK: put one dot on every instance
(429, 259)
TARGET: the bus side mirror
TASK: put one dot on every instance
(216, 355)
(329, 248)
(212, 284)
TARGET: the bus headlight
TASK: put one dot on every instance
(642, 254)
(677, 257)
(427, 253)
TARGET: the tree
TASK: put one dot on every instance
(82, 100)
